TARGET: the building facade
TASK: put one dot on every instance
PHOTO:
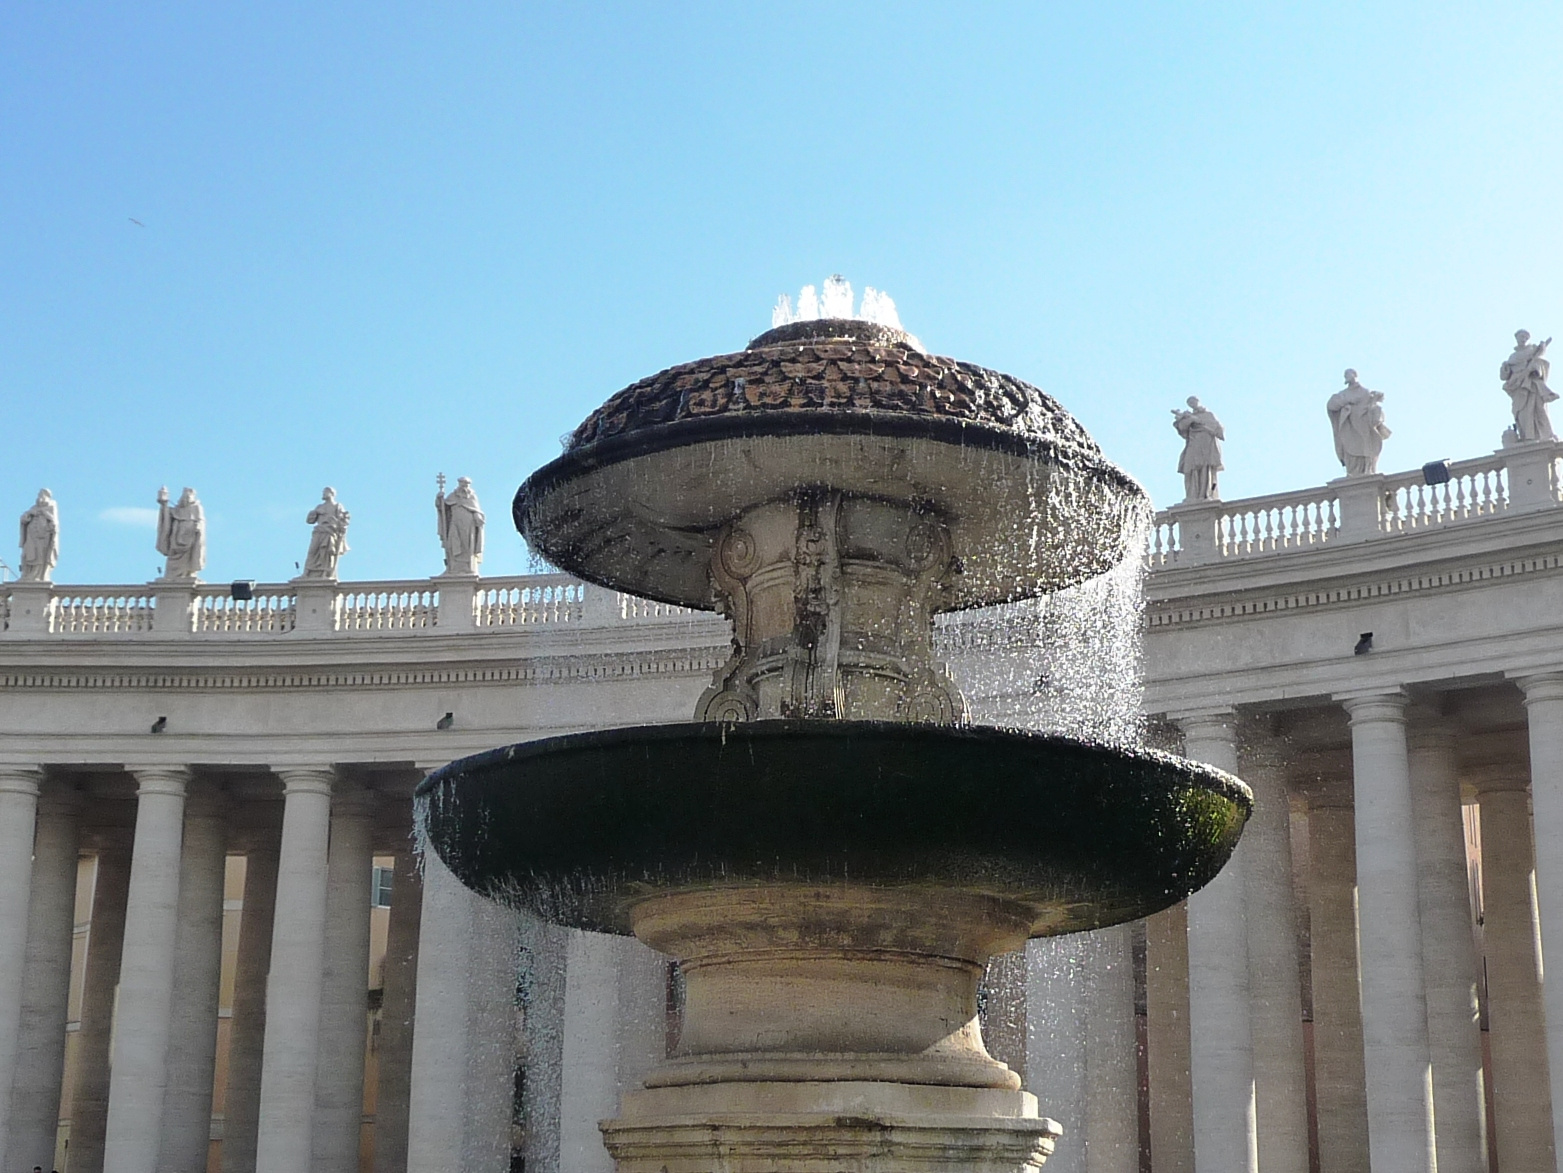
(202, 965)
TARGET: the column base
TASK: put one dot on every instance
(822, 1127)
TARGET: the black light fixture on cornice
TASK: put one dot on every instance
(445, 722)
(1364, 644)
(159, 725)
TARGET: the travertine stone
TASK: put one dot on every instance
(144, 1012)
(105, 945)
(241, 1100)
(40, 539)
(1221, 1042)
(1394, 1005)
(40, 1062)
(1524, 375)
(1168, 1045)
(396, 1016)
(192, 1045)
(328, 540)
(181, 536)
(435, 1128)
(18, 814)
(339, 1078)
(1201, 459)
(1448, 947)
(1357, 415)
(1521, 1092)
(1339, 1077)
(293, 990)
(1544, 719)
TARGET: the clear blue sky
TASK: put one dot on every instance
(382, 241)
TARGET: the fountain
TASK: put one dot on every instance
(830, 850)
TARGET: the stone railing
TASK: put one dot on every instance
(348, 609)
(1354, 509)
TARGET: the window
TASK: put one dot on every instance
(380, 887)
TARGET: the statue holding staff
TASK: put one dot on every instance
(40, 538)
(181, 536)
(328, 542)
(1524, 375)
(1201, 460)
(460, 525)
(1357, 415)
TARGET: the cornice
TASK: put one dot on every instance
(604, 666)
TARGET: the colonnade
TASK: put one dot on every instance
(1398, 1072)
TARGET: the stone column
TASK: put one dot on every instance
(1167, 1042)
(1340, 1081)
(1274, 974)
(1544, 716)
(1522, 1104)
(241, 1099)
(435, 1130)
(105, 942)
(396, 1017)
(1394, 1005)
(344, 1005)
(293, 986)
(192, 1047)
(1112, 1109)
(138, 1075)
(40, 1064)
(18, 816)
(590, 1090)
(1056, 996)
(1449, 953)
(1221, 1043)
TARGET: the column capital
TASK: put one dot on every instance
(1371, 707)
(306, 779)
(171, 780)
(1541, 686)
(1212, 723)
(26, 780)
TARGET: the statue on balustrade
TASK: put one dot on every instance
(1201, 460)
(1357, 415)
(181, 536)
(1524, 375)
(40, 538)
(329, 541)
(460, 525)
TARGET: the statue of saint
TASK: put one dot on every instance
(1357, 416)
(1524, 375)
(1201, 460)
(181, 536)
(460, 525)
(329, 541)
(40, 538)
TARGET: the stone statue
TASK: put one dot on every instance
(1201, 460)
(1524, 375)
(1357, 415)
(40, 538)
(181, 536)
(329, 541)
(460, 525)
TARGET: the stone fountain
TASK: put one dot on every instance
(829, 850)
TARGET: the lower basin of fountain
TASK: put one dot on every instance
(581, 829)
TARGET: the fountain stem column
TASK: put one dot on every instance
(1394, 1006)
(1221, 1041)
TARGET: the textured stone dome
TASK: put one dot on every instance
(842, 367)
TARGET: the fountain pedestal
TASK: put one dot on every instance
(825, 1024)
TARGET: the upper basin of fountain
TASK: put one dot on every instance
(648, 481)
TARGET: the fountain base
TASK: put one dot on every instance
(827, 1127)
(824, 1023)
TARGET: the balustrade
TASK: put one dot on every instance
(550, 598)
(105, 610)
(270, 610)
(387, 607)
